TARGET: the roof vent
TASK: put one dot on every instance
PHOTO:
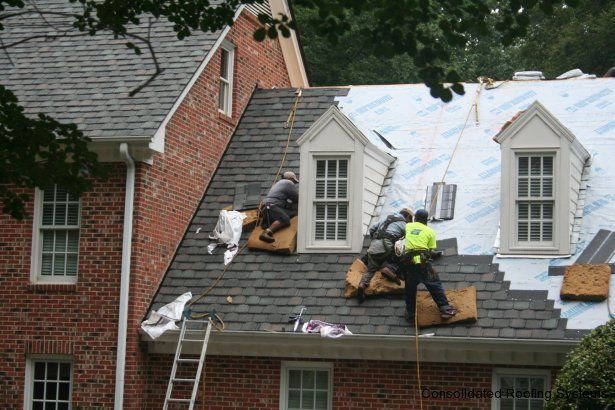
(440, 200)
(247, 196)
(528, 76)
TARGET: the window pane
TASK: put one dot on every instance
(536, 405)
(342, 189)
(59, 262)
(319, 233)
(547, 187)
(320, 212)
(47, 265)
(537, 383)
(535, 210)
(535, 231)
(51, 391)
(294, 379)
(322, 380)
(60, 216)
(52, 371)
(507, 383)
(71, 265)
(50, 406)
(224, 64)
(341, 230)
(522, 231)
(62, 406)
(294, 399)
(60, 243)
(72, 197)
(308, 379)
(547, 210)
(330, 234)
(47, 241)
(547, 231)
(320, 169)
(331, 189)
(61, 194)
(307, 399)
(534, 187)
(343, 171)
(522, 404)
(321, 400)
(535, 165)
(331, 168)
(64, 371)
(320, 189)
(523, 210)
(222, 95)
(523, 165)
(39, 390)
(547, 165)
(73, 241)
(49, 194)
(73, 214)
(331, 211)
(342, 210)
(64, 391)
(48, 214)
(522, 189)
(37, 405)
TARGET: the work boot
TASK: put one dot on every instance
(390, 275)
(267, 236)
(361, 294)
(447, 312)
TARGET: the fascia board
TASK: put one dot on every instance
(378, 347)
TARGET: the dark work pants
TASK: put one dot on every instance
(272, 213)
(415, 274)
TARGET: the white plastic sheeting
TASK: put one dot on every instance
(164, 318)
(227, 231)
(424, 132)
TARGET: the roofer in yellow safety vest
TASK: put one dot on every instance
(419, 250)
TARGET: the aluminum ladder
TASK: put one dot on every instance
(188, 336)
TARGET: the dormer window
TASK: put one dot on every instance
(342, 174)
(542, 162)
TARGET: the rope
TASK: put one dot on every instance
(290, 122)
(416, 344)
(474, 106)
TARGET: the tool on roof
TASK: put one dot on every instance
(297, 318)
(190, 336)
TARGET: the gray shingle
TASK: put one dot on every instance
(267, 287)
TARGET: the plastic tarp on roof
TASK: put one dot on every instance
(423, 132)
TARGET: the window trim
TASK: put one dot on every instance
(29, 376)
(550, 246)
(230, 49)
(299, 365)
(499, 372)
(37, 246)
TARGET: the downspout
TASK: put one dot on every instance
(125, 275)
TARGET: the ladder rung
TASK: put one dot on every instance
(188, 360)
(183, 380)
(179, 400)
(193, 340)
(195, 321)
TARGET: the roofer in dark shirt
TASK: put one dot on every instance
(279, 206)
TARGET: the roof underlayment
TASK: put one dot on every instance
(424, 131)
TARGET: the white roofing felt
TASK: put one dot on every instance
(424, 132)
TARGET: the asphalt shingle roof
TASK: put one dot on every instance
(266, 287)
(86, 80)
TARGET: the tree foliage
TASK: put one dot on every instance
(588, 372)
(416, 39)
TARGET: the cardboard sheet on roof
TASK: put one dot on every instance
(285, 239)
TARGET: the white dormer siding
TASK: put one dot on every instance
(542, 163)
(341, 174)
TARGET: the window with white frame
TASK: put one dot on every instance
(49, 384)
(535, 201)
(56, 236)
(306, 386)
(331, 200)
(520, 389)
(225, 96)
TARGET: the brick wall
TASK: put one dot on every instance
(168, 192)
(81, 320)
(233, 383)
(77, 320)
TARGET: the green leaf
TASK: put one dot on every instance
(260, 34)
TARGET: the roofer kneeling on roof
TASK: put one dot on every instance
(416, 267)
(381, 249)
(279, 206)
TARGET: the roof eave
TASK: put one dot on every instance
(501, 351)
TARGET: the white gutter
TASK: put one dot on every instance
(125, 275)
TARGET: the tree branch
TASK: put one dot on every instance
(146, 41)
